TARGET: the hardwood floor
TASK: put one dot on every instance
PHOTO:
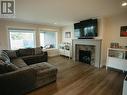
(81, 79)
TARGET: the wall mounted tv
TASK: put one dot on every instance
(86, 29)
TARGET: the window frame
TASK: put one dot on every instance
(48, 30)
(29, 30)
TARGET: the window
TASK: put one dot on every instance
(21, 38)
(48, 39)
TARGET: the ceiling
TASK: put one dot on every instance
(65, 12)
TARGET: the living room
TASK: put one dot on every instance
(51, 24)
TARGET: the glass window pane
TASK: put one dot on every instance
(21, 39)
(42, 39)
(48, 39)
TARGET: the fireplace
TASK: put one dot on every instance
(89, 45)
(85, 53)
(85, 56)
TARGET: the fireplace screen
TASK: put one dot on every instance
(85, 56)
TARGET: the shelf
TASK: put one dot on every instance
(118, 53)
(118, 49)
(65, 49)
(117, 58)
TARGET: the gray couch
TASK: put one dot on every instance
(20, 74)
(28, 55)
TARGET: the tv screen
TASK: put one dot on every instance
(77, 33)
(90, 31)
(77, 27)
(86, 28)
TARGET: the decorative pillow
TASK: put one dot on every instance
(19, 62)
(11, 53)
(5, 68)
(25, 52)
(4, 57)
(12, 67)
(38, 50)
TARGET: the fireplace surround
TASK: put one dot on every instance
(85, 44)
(85, 53)
(85, 56)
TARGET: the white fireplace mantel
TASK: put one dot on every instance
(93, 42)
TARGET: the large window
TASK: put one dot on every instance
(48, 39)
(21, 38)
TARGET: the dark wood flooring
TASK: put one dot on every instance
(75, 78)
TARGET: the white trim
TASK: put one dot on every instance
(30, 30)
(8, 38)
(50, 49)
(49, 30)
(93, 42)
(19, 27)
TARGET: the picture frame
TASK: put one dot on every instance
(123, 31)
(67, 34)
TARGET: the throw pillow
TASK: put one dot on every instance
(11, 53)
(25, 52)
(38, 50)
(4, 57)
(12, 67)
(5, 68)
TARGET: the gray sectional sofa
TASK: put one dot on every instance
(24, 70)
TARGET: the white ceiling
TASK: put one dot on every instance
(65, 12)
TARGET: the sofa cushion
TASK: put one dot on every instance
(4, 57)
(40, 66)
(11, 53)
(45, 73)
(19, 62)
(44, 69)
(38, 50)
(25, 52)
(34, 59)
(5, 68)
(12, 66)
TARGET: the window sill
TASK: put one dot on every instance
(50, 49)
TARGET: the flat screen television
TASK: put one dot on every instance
(86, 29)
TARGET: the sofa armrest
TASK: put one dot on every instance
(17, 82)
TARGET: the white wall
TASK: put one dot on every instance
(4, 32)
(112, 32)
(67, 29)
(108, 31)
(113, 29)
(4, 24)
(70, 28)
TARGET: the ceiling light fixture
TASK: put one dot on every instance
(124, 3)
(55, 23)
